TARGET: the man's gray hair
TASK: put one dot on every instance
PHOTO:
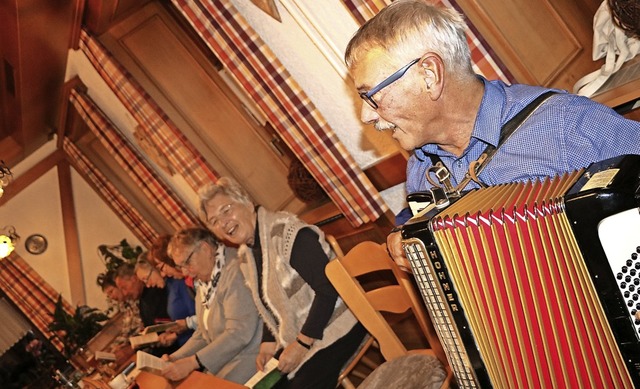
(411, 28)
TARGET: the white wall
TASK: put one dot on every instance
(310, 42)
(310, 50)
(37, 209)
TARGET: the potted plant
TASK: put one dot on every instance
(76, 329)
(116, 255)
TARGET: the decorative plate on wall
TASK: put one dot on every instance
(36, 244)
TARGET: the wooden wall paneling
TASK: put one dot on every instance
(101, 14)
(70, 124)
(187, 86)
(76, 25)
(71, 235)
(34, 46)
(541, 42)
(388, 172)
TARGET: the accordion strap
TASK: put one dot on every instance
(506, 131)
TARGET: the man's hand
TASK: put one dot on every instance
(266, 352)
(167, 338)
(180, 369)
(394, 247)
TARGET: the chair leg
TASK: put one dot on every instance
(346, 383)
(343, 379)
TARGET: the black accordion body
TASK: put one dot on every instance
(537, 284)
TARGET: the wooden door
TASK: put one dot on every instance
(542, 42)
(187, 85)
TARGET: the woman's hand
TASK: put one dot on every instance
(266, 352)
(293, 355)
(180, 369)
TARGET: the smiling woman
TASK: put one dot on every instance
(307, 328)
(226, 340)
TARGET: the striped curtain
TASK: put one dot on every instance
(31, 294)
(158, 193)
(484, 60)
(287, 107)
(155, 125)
(126, 212)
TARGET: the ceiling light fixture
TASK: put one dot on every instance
(8, 240)
(5, 176)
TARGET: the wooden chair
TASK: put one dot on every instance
(367, 344)
(370, 306)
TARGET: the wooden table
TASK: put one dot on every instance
(195, 380)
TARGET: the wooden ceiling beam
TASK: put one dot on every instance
(31, 175)
(71, 234)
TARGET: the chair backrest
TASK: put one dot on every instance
(368, 258)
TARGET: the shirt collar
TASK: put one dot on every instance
(486, 127)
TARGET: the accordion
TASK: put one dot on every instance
(537, 284)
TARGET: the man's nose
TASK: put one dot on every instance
(368, 115)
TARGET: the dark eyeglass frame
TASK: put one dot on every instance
(187, 262)
(146, 279)
(367, 96)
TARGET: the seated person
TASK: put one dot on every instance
(308, 329)
(162, 261)
(180, 303)
(229, 329)
(159, 258)
(151, 301)
(116, 301)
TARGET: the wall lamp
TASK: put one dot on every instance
(5, 176)
(8, 240)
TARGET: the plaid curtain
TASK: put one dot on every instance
(32, 294)
(158, 193)
(155, 125)
(483, 58)
(287, 107)
(127, 213)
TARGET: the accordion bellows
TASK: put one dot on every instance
(518, 285)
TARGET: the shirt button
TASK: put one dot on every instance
(459, 163)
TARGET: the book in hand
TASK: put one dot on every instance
(265, 379)
(144, 340)
(162, 327)
(150, 363)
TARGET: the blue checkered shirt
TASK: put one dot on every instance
(565, 133)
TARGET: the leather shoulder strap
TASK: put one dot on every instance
(505, 132)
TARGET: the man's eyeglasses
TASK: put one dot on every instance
(367, 96)
(187, 262)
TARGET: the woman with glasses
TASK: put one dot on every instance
(180, 302)
(162, 261)
(307, 327)
(229, 329)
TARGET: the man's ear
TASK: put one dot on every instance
(432, 68)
